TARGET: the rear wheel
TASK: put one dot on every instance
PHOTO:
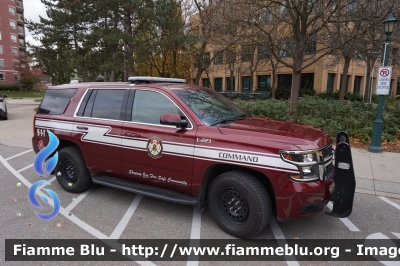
(239, 203)
(71, 171)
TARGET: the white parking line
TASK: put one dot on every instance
(23, 169)
(195, 234)
(77, 200)
(93, 231)
(345, 221)
(125, 219)
(12, 157)
(397, 206)
(280, 238)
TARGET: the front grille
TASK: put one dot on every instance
(326, 161)
(327, 151)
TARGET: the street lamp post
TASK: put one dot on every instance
(378, 123)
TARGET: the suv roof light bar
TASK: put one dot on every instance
(140, 80)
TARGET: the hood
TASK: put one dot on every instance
(303, 136)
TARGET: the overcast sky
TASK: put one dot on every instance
(32, 10)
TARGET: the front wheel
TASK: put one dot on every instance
(71, 171)
(239, 203)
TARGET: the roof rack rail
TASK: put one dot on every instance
(142, 79)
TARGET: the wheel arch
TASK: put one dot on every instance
(215, 170)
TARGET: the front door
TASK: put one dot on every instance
(156, 154)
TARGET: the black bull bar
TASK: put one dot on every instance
(345, 180)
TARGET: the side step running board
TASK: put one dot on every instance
(145, 190)
(345, 181)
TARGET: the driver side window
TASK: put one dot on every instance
(148, 106)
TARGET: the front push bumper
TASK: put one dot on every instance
(345, 181)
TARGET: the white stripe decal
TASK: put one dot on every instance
(100, 135)
(53, 124)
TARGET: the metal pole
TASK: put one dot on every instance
(378, 123)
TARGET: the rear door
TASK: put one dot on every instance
(98, 127)
(156, 154)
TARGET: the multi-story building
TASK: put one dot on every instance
(12, 41)
(321, 76)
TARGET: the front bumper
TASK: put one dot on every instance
(300, 199)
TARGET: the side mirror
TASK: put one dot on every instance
(173, 120)
(4, 96)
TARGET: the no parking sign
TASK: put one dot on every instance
(383, 84)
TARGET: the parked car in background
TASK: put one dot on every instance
(3, 107)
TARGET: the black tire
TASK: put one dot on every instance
(239, 204)
(71, 171)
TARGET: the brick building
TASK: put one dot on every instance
(12, 41)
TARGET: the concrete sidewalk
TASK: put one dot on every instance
(377, 173)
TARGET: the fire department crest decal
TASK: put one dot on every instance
(154, 147)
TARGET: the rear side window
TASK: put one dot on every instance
(55, 101)
(107, 104)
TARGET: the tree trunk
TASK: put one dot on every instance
(112, 78)
(296, 77)
(105, 76)
(366, 93)
(343, 87)
(294, 92)
(174, 64)
(274, 83)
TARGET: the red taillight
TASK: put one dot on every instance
(1, 100)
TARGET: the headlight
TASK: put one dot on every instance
(306, 162)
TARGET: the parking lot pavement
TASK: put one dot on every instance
(108, 213)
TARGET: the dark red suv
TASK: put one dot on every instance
(191, 145)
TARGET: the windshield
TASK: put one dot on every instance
(210, 107)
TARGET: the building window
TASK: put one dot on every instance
(285, 81)
(2, 63)
(0, 35)
(219, 58)
(307, 81)
(286, 47)
(1, 49)
(264, 83)
(16, 77)
(13, 24)
(2, 76)
(206, 59)
(246, 84)
(21, 30)
(311, 47)
(230, 56)
(21, 53)
(14, 50)
(262, 53)
(247, 53)
(206, 82)
(218, 84)
(21, 42)
(13, 38)
(329, 85)
(20, 17)
(230, 84)
(11, 10)
(357, 84)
